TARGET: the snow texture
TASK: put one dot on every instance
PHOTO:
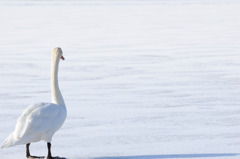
(141, 80)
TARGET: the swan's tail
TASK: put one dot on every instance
(9, 141)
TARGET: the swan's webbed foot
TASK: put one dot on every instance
(49, 156)
(28, 153)
(35, 157)
(43, 157)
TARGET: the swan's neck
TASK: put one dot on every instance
(56, 94)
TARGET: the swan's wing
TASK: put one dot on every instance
(36, 119)
(43, 119)
(21, 122)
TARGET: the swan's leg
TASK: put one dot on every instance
(27, 150)
(28, 153)
(49, 156)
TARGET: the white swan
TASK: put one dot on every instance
(40, 121)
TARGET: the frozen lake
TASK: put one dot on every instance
(141, 80)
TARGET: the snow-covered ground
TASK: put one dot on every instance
(141, 80)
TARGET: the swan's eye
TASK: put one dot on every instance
(62, 58)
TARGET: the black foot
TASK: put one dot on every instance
(35, 157)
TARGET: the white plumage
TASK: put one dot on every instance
(40, 121)
(37, 122)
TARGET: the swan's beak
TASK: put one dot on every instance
(62, 58)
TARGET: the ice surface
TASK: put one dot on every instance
(141, 79)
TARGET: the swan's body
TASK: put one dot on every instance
(37, 122)
(40, 121)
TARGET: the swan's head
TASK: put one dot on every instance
(58, 53)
